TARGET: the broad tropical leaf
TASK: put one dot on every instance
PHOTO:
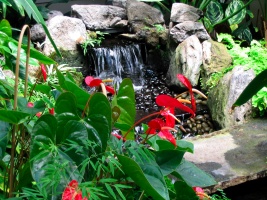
(4, 130)
(214, 12)
(13, 117)
(193, 176)
(233, 7)
(125, 101)
(147, 175)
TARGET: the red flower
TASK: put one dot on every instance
(187, 84)
(51, 111)
(169, 102)
(43, 70)
(118, 136)
(94, 82)
(72, 192)
(200, 193)
(159, 125)
(39, 114)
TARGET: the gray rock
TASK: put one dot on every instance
(181, 12)
(37, 31)
(140, 15)
(215, 59)
(121, 24)
(119, 3)
(97, 17)
(184, 30)
(65, 31)
(187, 61)
(222, 97)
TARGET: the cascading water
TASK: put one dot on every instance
(118, 62)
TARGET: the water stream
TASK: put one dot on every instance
(118, 62)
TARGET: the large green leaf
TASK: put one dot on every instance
(5, 27)
(168, 160)
(233, 7)
(66, 102)
(193, 175)
(125, 101)
(147, 175)
(99, 117)
(184, 191)
(6, 2)
(214, 12)
(13, 117)
(4, 130)
(33, 11)
(253, 87)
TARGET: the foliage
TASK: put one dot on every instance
(75, 145)
(93, 38)
(234, 14)
(28, 6)
(221, 196)
(252, 57)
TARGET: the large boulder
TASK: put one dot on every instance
(65, 31)
(215, 59)
(181, 12)
(187, 61)
(222, 97)
(37, 31)
(147, 23)
(97, 17)
(185, 29)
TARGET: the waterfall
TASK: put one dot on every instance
(118, 62)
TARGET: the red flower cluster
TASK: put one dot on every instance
(163, 127)
(72, 192)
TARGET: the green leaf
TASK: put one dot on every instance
(6, 2)
(13, 117)
(184, 145)
(253, 87)
(147, 175)
(46, 126)
(168, 160)
(99, 117)
(234, 6)
(164, 145)
(184, 191)
(193, 176)
(39, 106)
(214, 12)
(66, 102)
(4, 130)
(125, 101)
(5, 27)
(81, 95)
(45, 89)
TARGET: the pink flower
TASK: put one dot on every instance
(30, 105)
(43, 70)
(39, 114)
(95, 82)
(72, 192)
(200, 193)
